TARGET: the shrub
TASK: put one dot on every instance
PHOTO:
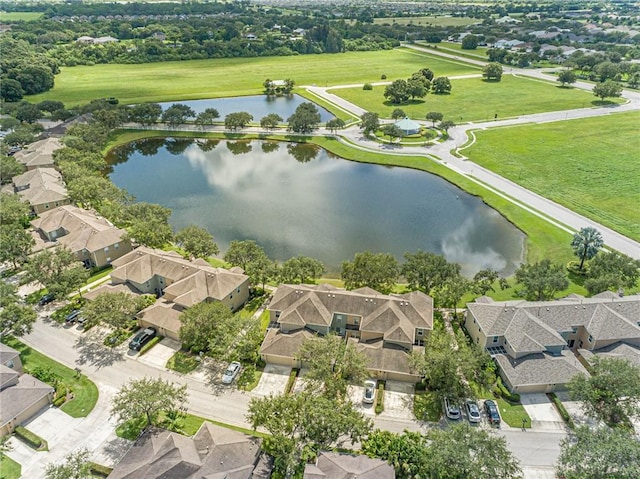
(100, 470)
(501, 391)
(383, 77)
(33, 440)
(59, 401)
(379, 407)
(45, 375)
(116, 338)
(561, 409)
(292, 380)
(367, 86)
(155, 340)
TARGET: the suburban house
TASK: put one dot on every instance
(21, 395)
(38, 154)
(214, 452)
(535, 343)
(345, 466)
(42, 188)
(386, 328)
(94, 240)
(178, 283)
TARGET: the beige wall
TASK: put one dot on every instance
(41, 208)
(280, 360)
(26, 414)
(15, 364)
(166, 332)
(100, 257)
(473, 328)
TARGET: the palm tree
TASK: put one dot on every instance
(586, 243)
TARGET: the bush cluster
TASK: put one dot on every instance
(379, 402)
(292, 380)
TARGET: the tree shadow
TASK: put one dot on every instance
(213, 376)
(93, 352)
(607, 103)
(116, 449)
(413, 101)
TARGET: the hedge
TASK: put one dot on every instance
(59, 401)
(33, 440)
(562, 410)
(100, 470)
(155, 340)
(380, 398)
(501, 391)
(292, 380)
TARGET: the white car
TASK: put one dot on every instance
(230, 374)
(369, 391)
(451, 409)
(473, 411)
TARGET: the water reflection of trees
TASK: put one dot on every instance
(148, 147)
(303, 152)
(239, 147)
(207, 145)
(176, 146)
(270, 146)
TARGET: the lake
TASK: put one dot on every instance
(297, 199)
(257, 105)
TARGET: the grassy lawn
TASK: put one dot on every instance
(183, 362)
(428, 20)
(20, 16)
(9, 469)
(195, 79)
(480, 53)
(99, 275)
(85, 391)
(513, 414)
(427, 406)
(473, 99)
(597, 176)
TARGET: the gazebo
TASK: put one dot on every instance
(408, 126)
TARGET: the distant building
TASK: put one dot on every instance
(42, 188)
(39, 154)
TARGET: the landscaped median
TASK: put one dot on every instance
(85, 392)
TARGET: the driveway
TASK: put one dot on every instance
(542, 412)
(355, 394)
(398, 400)
(574, 408)
(273, 380)
(159, 354)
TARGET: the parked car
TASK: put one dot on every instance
(231, 372)
(451, 409)
(492, 412)
(46, 299)
(141, 338)
(73, 316)
(369, 391)
(473, 411)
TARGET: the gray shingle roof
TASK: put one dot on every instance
(22, 396)
(540, 368)
(332, 465)
(619, 350)
(7, 353)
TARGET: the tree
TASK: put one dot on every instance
(417, 88)
(334, 125)
(441, 85)
(8, 294)
(470, 42)
(50, 105)
(16, 320)
(457, 452)
(33, 78)
(58, 270)
(260, 269)
(147, 397)
(586, 243)
(209, 327)
(111, 118)
(207, 117)
(374, 270)
(301, 269)
(115, 310)
(145, 113)
(446, 125)
(302, 424)
(75, 465)
(196, 241)
(426, 271)
(392, 131)
(566, 77)
(17, 244)
(12, 209)
(93, 191)
(427, 73)
(492, 71)
(398, 113)
(611, 271)
(397, 91)
(611, 393)
(607, 89)
(451, 291)
(11, 90)
(599, 453)
(434, 116)
(332, 364)
(28, 112)
(305, 119)
(483, 281)
(177, 114)
(234, 121)
(148, 224)
(270, 121)
(369, 123)
(540, 281)
(242, 253)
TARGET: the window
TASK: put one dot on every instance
(420, 332)
(106, 249)
(238, 290)
(574, 330)
(46, 205)
(10, 364)
(231, 296)
(108, 260)
(116, 246)
(277, 314)
(590, 338)
(495, 339)
(356, 321)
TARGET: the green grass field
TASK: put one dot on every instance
(428, 20)
(480, 53)
(473, 99)
(195, 79)
(20, 16)
(85, 391)
(9, 469)
(590, 165)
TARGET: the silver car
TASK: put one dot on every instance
(369, 391)
(451, 409)
(473, 411)
(231, 372)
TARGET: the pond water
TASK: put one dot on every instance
(256, 105)
(299, 199)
